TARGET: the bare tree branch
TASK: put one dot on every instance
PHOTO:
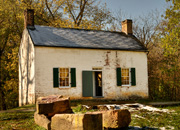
(70, 10)
(49, 9)
(80, 15)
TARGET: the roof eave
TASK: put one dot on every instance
(140, 50)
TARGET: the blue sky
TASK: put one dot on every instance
(135, 8)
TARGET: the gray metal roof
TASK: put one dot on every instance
(78, 38)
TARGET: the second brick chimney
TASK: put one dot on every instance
(127, 26)
(29, 19)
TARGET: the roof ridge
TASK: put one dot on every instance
(87, 29)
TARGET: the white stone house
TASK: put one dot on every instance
(80, 64)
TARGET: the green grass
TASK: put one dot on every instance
(142, 118)
(25, 107)
(18, 120)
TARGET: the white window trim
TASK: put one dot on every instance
(96, 68)
(127, 85)
(69, 78)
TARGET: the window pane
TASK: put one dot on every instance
(61, 74)
(67, 82)
(66, 75)
(67, 70)
(61, 83)
(61, 69)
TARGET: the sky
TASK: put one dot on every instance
(135, 8)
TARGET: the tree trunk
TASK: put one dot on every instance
(2, 99)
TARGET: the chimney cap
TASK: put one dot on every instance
(127, 20)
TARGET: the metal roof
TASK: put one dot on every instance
(79, 38)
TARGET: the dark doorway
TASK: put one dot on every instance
(98, 83)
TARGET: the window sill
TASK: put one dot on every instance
(64, 87)
(126, 85)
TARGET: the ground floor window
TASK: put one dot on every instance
(64, 77)
(125, 76)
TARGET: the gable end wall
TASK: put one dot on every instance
(26, 70)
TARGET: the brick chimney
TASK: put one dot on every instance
(127, 26)
(29, 19)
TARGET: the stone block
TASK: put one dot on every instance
(42, 120)
(76, 122)
(115, 119)
(52, 105)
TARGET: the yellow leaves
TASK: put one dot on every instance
(65, 9)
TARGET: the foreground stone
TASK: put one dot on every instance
(52, 105)
(114, 119)
(77, 122)
(42, 120)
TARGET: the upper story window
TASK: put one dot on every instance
(64, 77)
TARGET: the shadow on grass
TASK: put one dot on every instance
(132, 128)
(16, 116)
(143, 128)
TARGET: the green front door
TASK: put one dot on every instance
(87, 83)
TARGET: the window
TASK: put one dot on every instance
(64, 77)
(126, 76)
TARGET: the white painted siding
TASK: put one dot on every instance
(26, 71)
(48, 58)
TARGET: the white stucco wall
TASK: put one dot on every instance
(48, 58)
(26, 70)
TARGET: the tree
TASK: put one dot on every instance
(10, 34)
(170, 38)
(145, 28)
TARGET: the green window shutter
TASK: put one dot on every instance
(73, 77)
(56, 77)
(133, 77)
(118, 76)
(87, 83)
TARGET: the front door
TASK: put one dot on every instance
(87, 83)
(92, 83)
(98, 83)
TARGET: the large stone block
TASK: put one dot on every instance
(77, 122)
(114, 119)
(52, 105)
(42, 120)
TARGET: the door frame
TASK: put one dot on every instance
(94, 85)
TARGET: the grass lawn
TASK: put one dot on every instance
(160, 120)
(142, 118)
